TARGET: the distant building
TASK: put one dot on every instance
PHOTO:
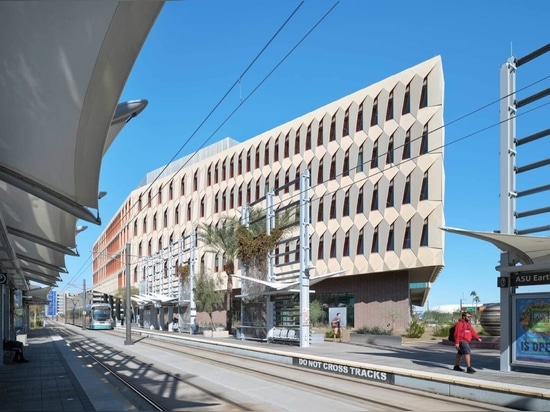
(375, 159)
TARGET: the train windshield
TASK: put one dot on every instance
(101, 314)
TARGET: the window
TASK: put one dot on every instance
(389, 200)
(424, 94)
(135, 227)
(320, 252)
(359, 167)
(345, 208)
(424, 188)
(345, 126)
(276, 151)
(374, 158)
(287, 180)
(389, 111)
(389, 153)
(139, 203)
(149, 248)
(345, 250)
(216, 173)
(320, 133)
(232, 164)
(424, 237)
(320, 210)
(196, 181)
(407, 145)
(332, 135)
(202, 207)
(374, 244)
(171, 191)
(248, 160)
(308, 138)
(189, 211)
(140, 249)
(333, 246)
(359, 208)
(424, 141)
(216, 202)
(374, 202)
(248, 195)
(286, 151)
(407, 100)
(320, 173)
(160, 195)
(345, 166)
(240, 165)
(177, 215)
(390, 245)
(407, 237)
(333, 169)
(266, 154)
(333, 207)
(360, 243)
(257, 159)
(155, 221)
(359, 123)
(297, 141)
(165, 219)
(374, 114)
(149, 197)
(407, 191)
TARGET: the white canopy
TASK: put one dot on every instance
(64, 66)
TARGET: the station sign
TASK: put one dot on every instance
(529, 279)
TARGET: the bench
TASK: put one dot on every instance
(284, 335)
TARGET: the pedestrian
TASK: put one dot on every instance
(17, 347)
(337, 327)
(464, 333)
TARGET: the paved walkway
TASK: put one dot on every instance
(52, 380)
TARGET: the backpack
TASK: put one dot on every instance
(334, 323)
(452, 334)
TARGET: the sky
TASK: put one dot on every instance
(199, 49)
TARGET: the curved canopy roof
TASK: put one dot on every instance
(529, 251)
(63, 70)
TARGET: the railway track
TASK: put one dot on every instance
(187, 378)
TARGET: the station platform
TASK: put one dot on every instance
(54, 378)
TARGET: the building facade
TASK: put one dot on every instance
(375, 159)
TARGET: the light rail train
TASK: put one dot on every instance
(97, 316)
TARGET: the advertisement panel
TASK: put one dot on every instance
(531, 329)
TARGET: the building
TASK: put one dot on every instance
(375, 159)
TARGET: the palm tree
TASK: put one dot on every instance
(475, 299)
(221, 239)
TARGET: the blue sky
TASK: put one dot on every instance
(198, 49)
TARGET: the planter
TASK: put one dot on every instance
(386, 340)
(215, 334)
(316, 337)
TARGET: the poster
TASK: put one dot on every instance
(532, 329)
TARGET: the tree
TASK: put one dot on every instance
(221, 239)
(207, 296)
(476, 300)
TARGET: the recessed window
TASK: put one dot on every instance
(359, 208)
(177, 215)
(308, 138)
(359, 167)
(332, 135)
(374, 114)
(374, 157)
(389, 200)
(389, 153)
(155, 221)
(390, 244)
(424, 94)
(266, 154)
(333, 169)
(196, 181)
(360, 243)
(345, 250)
(333, 207)
(359, 123)
(165, 218)
(424, 141)
(345, 209)
(320, 133)
(407, 237)
(333, 246)
(320, 210)
(374, 202)
(407, 145)
(171, 191)
(424, 188)
(389, 111)
(424, 237)
(374, 244)
(320, 250)
(407, 100)
(345, 166)
(320, 173)
(345, 126)
(407, 191)
(286, 151)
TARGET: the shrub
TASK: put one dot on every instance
(415, 329)
(442, 331)
(373, 331)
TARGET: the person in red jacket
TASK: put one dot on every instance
(464, 333)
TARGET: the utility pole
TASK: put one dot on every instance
(127, 310)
